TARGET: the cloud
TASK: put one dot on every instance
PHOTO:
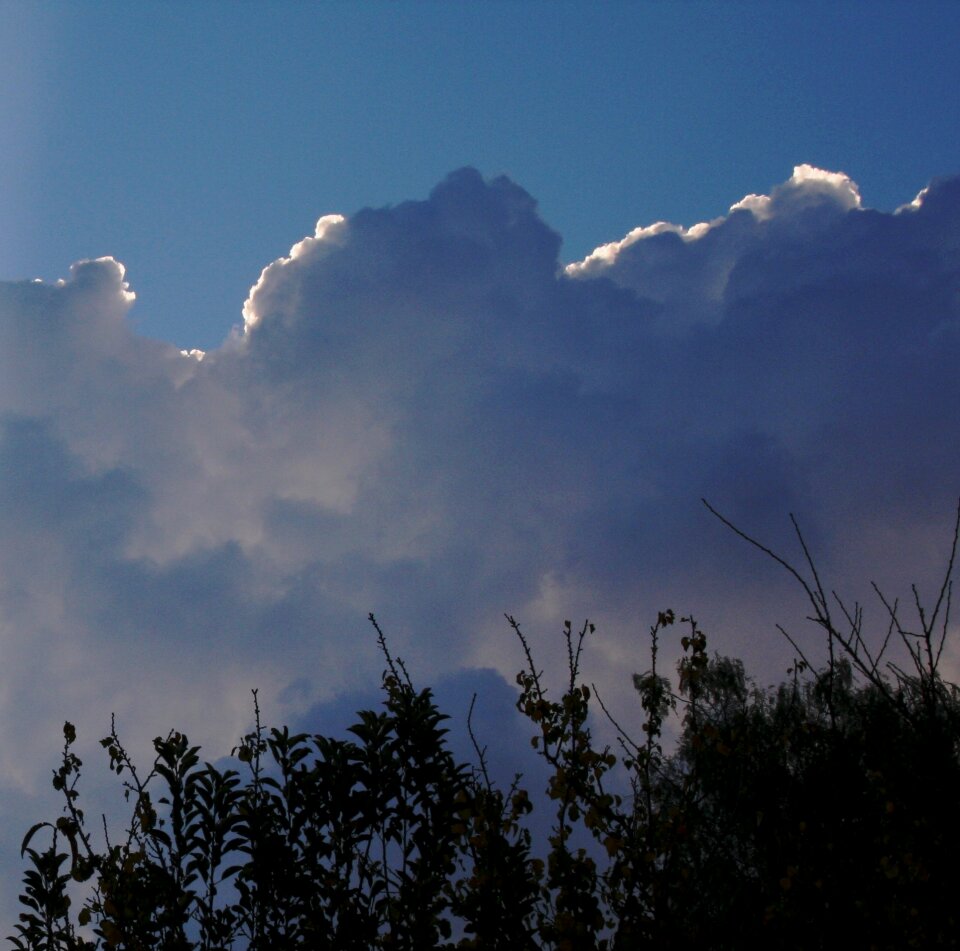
(426, 415)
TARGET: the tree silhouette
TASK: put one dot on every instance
(817, 813)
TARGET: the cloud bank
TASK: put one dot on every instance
(425, 414)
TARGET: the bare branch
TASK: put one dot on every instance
(946, 621)
(767, 551)
(813, 568)
(945, 587)
(886, 640)
(624, 736)
(535, 675)
(795, 646)
(480, 751)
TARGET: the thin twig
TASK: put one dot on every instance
(944, 588)
(795, 646)
(813, 568)
(396, 667)
(946, 621)
(623, 733)
(767, 551)
(480, 751)
(527, 653)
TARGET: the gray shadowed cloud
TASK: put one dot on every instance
(426, 415)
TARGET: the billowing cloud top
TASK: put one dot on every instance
(424, 414)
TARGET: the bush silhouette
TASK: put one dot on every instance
(818, 813)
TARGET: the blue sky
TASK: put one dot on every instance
(196, 142)
(490, 296)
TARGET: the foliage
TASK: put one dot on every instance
(821, 812)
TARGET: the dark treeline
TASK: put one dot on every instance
(818, 813)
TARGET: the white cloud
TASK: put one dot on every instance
(426, 416)
(807, 186)
(324, 240)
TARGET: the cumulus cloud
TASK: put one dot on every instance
(426, 415)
